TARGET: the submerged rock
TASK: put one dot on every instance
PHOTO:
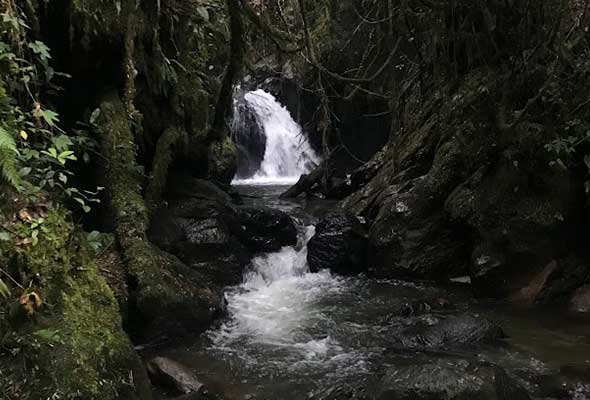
(339, 244)
(444, 379)
(265, 229)
(449, 333)
(173, 376)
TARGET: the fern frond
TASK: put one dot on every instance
(8, 153)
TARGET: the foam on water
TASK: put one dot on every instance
(274, 306)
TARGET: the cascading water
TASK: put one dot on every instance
(272, 306)
(287, 153)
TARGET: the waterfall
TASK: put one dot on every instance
(287, 153)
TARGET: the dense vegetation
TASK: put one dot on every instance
(479, 110)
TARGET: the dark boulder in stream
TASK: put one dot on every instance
(206, 230)
(339, 244)
(457, 332)
(444, 379)
(265, 229)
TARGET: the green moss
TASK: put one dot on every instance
(171, 140)
(73, 347)
(223, 160)
(158, 296)
(127, 204)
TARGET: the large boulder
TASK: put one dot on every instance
(411, 237)
(449, 333)
(265, 229)
(339, 244)
(198, 226)
(451, 379)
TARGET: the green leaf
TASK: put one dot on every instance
(50, 335)
(4, 236)
(41, 50)
(62, 142)
(50, 117)
(25, 171)
(8, 156)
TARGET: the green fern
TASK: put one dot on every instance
(8, 154)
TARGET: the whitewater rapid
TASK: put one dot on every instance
(288, 154)
(274, 306)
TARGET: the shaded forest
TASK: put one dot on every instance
(456, 131)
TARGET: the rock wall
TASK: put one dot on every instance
(470, 181)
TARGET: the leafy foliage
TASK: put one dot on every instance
(8, 154)
(38, 162)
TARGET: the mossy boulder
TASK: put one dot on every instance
(69, 343)
(223, 160)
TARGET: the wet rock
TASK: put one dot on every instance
(411, 238)
(198, 226)
(415, 308)
(580, 301)
(443, 379)
(339, 244)
(345, 391)
(173, 376)
(449, 333)
(250, 139)
(264, 229)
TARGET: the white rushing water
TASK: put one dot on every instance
(274, 306)
(288, 154)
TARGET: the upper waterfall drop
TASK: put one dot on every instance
(287, 152)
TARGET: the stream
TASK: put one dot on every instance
(293, 334)
(290, 333)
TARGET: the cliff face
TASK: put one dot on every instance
(478, 102)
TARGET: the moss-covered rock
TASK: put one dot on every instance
(164, 298)
(223, 160)
(69, 343)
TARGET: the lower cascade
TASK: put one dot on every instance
(287, 153)
(272, 306)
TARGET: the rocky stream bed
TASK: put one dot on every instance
(289, 333)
